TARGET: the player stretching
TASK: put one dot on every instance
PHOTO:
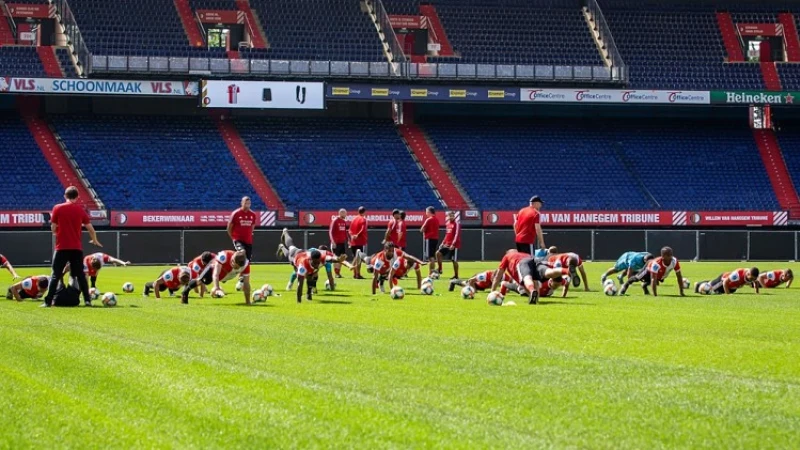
(628, 264)
(392, 229)
(451, 244)
(6, 264)
(483, 281)
(307, 266)
(338, 235)
(172, 279)
(430, 236)
(655, 272)
(730, 282)
(200, 270)
(287, 249)
(32, 287)
(775, 278)
(94, 262)
(358, 239)
(548, 287)
(228, 265)
(563, 259)
(401, 266)
(529, 272)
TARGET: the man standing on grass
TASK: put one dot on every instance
(337, 233)
(430, 235)
(240, 228)
(358, 239)
(392, 229)
(67, 221)
(451, 244)
(527, 227)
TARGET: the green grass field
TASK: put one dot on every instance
(350, 370)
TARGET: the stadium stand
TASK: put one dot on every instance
(789, 139)
(21, 62)
(28, 180)
(155, 163)
(334, 163)
(609, 165)
(66, 62)
(551, 32)
(335, 30)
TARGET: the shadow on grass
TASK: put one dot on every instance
(556, 302)
(334, 302)
(256, 305)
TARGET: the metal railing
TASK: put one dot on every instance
(605, 33)
(73, 33)
(388, 32)
(10, 19)
(101, 64)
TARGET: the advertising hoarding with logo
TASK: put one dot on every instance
(262, 94)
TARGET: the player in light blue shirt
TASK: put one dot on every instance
(628, 264)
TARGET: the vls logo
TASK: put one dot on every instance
(300, 94)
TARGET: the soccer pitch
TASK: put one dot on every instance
(350, 370)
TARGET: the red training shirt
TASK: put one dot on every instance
(452, 235)
(358, 231)
(243, 224)
(525, 228)
(338, 230)
(402, 231)
(70, 219)
(430, 228)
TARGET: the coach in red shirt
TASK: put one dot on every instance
(337, 232)
(430, 235)
(358, 239)
(527, 227)
(67, 222)
(241, 226)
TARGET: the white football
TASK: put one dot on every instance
(127, 287)
(610, 289)
(218, 293)
(258, 296)
(239, 286)
(109, 299)
(426, 289)
(435, 275)
(686, 283)
(705, 288)
(327, 285)
(608, 281)
(427, 280)
(94, 293)
(397, 293)
(267, 290)
(495, 298)
(467, 293)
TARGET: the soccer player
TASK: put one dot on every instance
(287, 249)
(628, 264)
(483, 280)
(307, 264)
(527, 228)
(730, 282)
(31, 287)
(775, 278)
(6, 264)
(240, 228)
(529, 272)
(200, 271)
(451, 244)
(402, 232)
(401, 266)
(543, 253)
(548, 288)
(172, 279)
(430, 236)
(358, 239)
(67, 222)
(655, 272)
(338, 235)
(94, 262)
(562, 260)
(228, 265)
(392, 230)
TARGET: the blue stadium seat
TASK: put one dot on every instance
(62, 53)
(20, 62)
(577, 166)
(335, 163)
(789, 139)
(156, 163)
(28, 180)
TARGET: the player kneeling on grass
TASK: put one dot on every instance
(775, 278)
(627, 265)
(94, 262)
(529, 272)
(562, 260)
(655, 272)
(483, 281)
(172, 280)
(32, 287)
(202, 276)
(730, 282)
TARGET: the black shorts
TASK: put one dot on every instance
(537, 270)
(356, 248)
(717, 287)
(248, 248)
(339, 249)
(429, 249)
(452, 255)
(22, 294)
(208, 278)
(526, 248)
